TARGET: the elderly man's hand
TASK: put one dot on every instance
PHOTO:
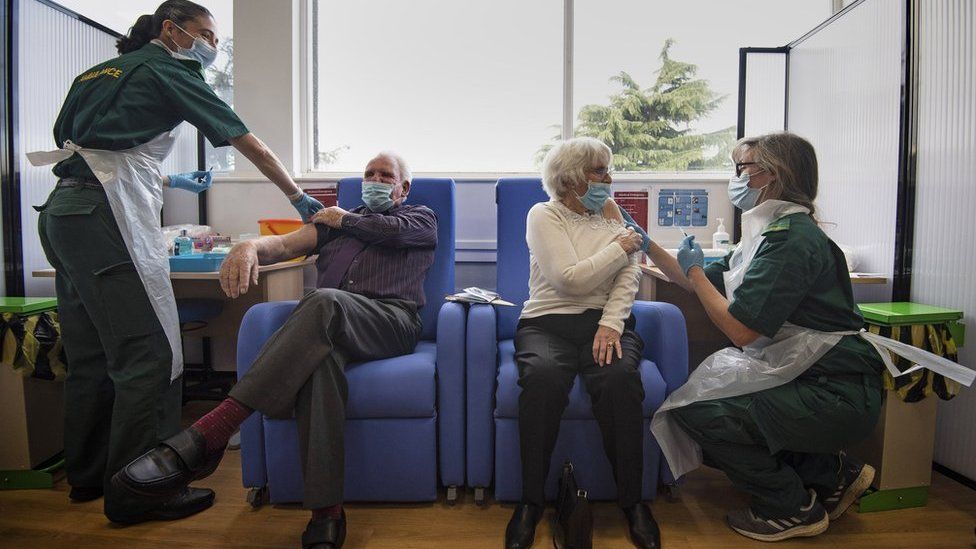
(239, 269)
(331, 216)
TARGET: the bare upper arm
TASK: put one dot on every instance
(301, 242)
(612, 211)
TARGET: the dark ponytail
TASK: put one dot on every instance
(147, 27)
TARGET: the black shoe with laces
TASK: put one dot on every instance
(854, 478)
(809, 520)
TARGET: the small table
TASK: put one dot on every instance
(704, 338)
(277, 282)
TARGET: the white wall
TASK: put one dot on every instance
(944, 258)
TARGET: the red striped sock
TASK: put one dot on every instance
(218, 426)
(334, 512)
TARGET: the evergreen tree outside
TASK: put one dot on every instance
(653, 129)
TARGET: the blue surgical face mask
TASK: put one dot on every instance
(200, 50)
(596, 195)
(376, 196)
(741, 194)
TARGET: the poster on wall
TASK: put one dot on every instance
(328, 196)
(635, 204)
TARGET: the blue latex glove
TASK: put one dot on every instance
(690, 254)
(195, 182)
(629, 221)
(307, 206)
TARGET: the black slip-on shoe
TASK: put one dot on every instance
(520, 533)
(644, 532)
(188, 501)
(169, 467)
(81, 494)
(325, 533)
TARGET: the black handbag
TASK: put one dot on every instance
(572, 526)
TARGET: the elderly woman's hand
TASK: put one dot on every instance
(630, 241)
(606, 343)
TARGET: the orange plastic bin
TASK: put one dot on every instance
(270, 227)
(278, 226)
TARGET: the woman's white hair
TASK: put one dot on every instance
(401, 164)
(566, 163)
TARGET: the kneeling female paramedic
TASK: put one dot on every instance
(776, 415)
(100, 230)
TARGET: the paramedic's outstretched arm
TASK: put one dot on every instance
(240, 269)
(669, 266)
(266, 161)
(717, 308)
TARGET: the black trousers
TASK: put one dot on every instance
(119, 400)
(301, 370)
(550, 351)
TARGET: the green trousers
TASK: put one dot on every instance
(775, 444)
(119, 401)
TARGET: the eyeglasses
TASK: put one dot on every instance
(739, 165)
(602, 172)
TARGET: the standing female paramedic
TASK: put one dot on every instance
(100, 230)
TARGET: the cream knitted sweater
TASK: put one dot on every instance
(575, 264)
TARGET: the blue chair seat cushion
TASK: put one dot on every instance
(398, 387)
(579, 407)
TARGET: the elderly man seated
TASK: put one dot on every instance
(371, 268)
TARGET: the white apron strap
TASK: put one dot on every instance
(921, 358)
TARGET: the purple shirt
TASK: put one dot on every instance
(397, 250)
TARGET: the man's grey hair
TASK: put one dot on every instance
(566, 164)
(401, 164)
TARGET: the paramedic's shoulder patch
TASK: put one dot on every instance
(780, 225)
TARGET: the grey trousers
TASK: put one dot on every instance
(300, 370)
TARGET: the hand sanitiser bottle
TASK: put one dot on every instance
(183, 246)
(720, 238)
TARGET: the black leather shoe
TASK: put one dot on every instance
(644, 532)
(188, 501)
(81, 494)
(325, 533)
(169, 467)
(520, 533)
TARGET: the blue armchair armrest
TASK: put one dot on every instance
(258, 324)
(482, 368)
(450, 392)
(662, 327)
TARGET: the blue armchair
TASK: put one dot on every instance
(405, 421)
(492, 376)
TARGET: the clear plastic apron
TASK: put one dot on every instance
(768, 363)
(132, 180)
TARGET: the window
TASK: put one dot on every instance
(658, 81)
(452, 86)
(478, 86)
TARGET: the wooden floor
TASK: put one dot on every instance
(40, 519)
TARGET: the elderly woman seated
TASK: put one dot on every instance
(577, 321)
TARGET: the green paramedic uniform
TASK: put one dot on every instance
(774, 444)
(119, 400)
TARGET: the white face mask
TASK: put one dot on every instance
(201, 51)
(741, 194)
